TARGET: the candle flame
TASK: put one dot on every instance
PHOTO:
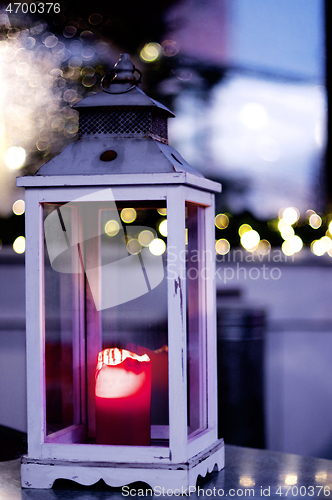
(117, 380)
(114, 356)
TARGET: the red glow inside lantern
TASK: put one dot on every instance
(123, 398)
(159, 381)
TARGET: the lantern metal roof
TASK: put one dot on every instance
(121, 131)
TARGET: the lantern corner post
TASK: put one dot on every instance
(35, 348)
(177, 324)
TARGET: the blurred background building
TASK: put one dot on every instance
(248, 83)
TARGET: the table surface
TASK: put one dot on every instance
(249, 473)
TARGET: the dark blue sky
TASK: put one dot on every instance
(285, 36)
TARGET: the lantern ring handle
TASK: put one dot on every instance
(112, 72)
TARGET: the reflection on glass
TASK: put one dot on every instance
(105, 288)
(61, 343)
(139, 324)
(196, 328)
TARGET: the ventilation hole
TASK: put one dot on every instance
(108, 155)
(175, 158)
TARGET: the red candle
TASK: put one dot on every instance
(123, 398)
(159, 381)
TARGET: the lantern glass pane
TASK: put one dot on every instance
(196, 319)
(62, 309)
(133, 317)
(106, 332)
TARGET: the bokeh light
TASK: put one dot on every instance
(134, 246)
(163, 228)
(170, 48)
(295, 243)
(95, 19)
(244, 228)
(290, 479)
(15, 157)
(286, 248)
(327, 242)
(286, 231)
(150, 52)
(321, 476)
(250, 240)
(35, 120)
(264, 247)
(222, 246)
(290, 215)
(157, 246)
(19, 207)
(315, 221)
(162, 211)
(318, 248)
(69, 31)
(247, 481)
(145, 237)
(19, 244)
(283, 224)
(112, 227)
(128, 215)
(221, 221)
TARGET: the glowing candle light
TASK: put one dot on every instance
(123, 398)
(159, 381)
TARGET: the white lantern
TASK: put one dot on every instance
(121, 327)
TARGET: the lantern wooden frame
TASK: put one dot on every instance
(179, 464)
(144, 169)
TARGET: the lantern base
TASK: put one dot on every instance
(41, 473)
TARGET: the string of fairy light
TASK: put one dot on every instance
(43, 75)
(289, 225)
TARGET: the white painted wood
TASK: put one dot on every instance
(118, 179)
(104, 453)
(199, 441)
(182, 448)
(176, 478)
(99, 193)
(34, 324)
(195, 195)
(120, 193)
(211, 320)
(177, 325)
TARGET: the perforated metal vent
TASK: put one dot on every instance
(159, 127)
(123, 121)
